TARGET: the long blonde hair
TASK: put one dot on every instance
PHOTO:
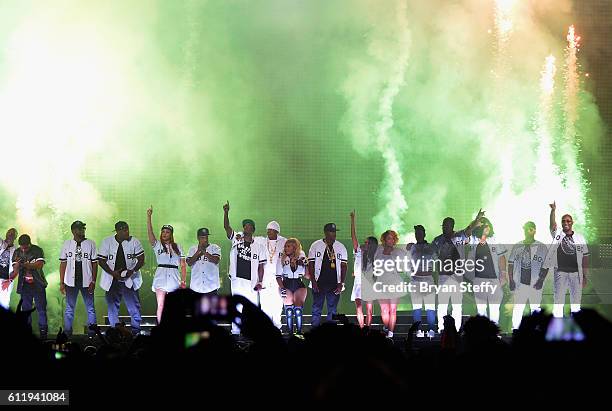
(298, 247)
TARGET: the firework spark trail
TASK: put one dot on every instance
(504, 26)
(573, 179)
(394, 202)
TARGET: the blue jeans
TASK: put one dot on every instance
(72, 294)
(37, 294)
(114, 295)
(317, 305)
(431, 317)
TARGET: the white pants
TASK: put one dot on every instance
(5, 295)
(455, 298)
(562, 282)
(271, 303)
(242, 287)
(420, 299)
(524, 294)
(492, 299)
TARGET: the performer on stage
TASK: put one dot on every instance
(246, 262)
(7, 275)
(270, 299)
(327, 271)
(121, 257)
(169, 257)
(291, 267)
(204, 262)
(78, 274)
(491, 272)
(450, 246)
(364, 258)
(526, 273)
(568, 255)
(28, 262)
(422, 256)
(387, 254)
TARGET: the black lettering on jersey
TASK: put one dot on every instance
(111, 257)
(69, 254)
(537, 258)
(86, 255)
(131, 256)
(318, 254)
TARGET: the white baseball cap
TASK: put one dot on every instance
(273, 225)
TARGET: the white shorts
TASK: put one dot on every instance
(166, 279)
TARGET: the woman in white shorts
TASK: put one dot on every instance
(169, 257)
(364, 256)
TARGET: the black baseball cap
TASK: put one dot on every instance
(203, 232)
(330, 227)
(77, 224)
(121, 225)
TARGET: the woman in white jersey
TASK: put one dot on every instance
(291, 267)
(364, 257)
(169, 257)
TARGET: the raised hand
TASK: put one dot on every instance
(150, 211)
(352, 215)
(226, 207)
(553, 206)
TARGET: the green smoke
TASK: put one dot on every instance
(273, 105)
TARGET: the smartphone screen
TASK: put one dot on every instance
(564, 329)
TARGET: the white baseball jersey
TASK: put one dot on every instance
(204, 273)
(6, 257)
(518, 257)
(497, 250)
(71, 255)
(167, 256)
(579, 244)
(283, 268)
(316, 252)
(257, 255)
(132, 249)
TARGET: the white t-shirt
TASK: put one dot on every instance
(204, 273)
(272, 250)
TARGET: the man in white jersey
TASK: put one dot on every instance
(526, 273)
(121, 257)
(78, 274)
(7, 275)
(246, 262)
(204, 262)
(270, 299)
(450, 246)
(568, 255)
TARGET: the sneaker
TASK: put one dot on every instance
(431, 334)
(390, 334)
(420, 334)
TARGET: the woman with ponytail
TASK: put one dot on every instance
(169, 257)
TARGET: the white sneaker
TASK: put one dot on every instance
(420, 334)
(431, 334)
